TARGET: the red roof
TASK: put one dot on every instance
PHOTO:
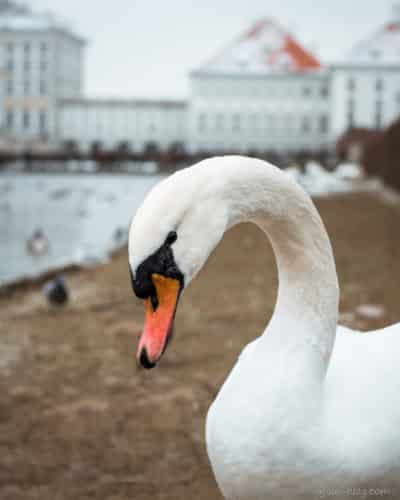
(392, 27)
(265, 48)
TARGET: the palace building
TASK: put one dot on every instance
(42, 64)
(264, 92)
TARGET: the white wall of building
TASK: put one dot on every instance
(134, 123)
(276, 112)
(364, 97)
(42, 62)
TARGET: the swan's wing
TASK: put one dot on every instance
(362, 391)
(374, 354)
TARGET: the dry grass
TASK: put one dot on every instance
(79, 420)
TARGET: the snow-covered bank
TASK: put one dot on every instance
(318, 181)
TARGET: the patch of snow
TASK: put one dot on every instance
(371, 311)
(294, 172)
(316, 180)
(383, 48)
(348, 171)
(388, 194)
(24, 22)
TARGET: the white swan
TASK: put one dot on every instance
(302, 414)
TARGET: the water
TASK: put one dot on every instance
(79, 214)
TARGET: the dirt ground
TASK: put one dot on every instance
(79, 420)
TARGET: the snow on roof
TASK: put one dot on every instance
(25, 20)
(382, 49)
(265, 48)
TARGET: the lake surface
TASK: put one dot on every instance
(80, 214)
(83, 217)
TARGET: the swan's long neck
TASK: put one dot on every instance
(305, 315)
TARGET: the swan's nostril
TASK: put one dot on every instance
(144, 360)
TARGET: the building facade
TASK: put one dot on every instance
(264, 92)
(134, 125)
(366, 85)
(365, 97)
(42, 63)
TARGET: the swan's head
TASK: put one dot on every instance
(171, 236)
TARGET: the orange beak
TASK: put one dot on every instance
(158, 323)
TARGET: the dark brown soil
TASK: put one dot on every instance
(79, 420)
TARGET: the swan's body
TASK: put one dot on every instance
(300, 415)
(270, 436)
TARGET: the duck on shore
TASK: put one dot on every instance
(56, 291)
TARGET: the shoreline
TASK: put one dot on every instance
(10, 172)
(373, 186)
(28, 283)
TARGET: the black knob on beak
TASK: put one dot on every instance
(144, 360)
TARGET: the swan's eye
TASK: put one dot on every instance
(171, 238)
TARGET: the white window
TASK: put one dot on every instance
(325, 91)
(324, 124)
(220, 121)
(287, 122)
(305, 125)
(26, 120)
(10, 87)
(43, 123)
(379, 85)
(254, 122)
(350, 113)
(378, 114)
(351, 84)
(9, 119)
(270, 123)
(201, 123)
(236, 122)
